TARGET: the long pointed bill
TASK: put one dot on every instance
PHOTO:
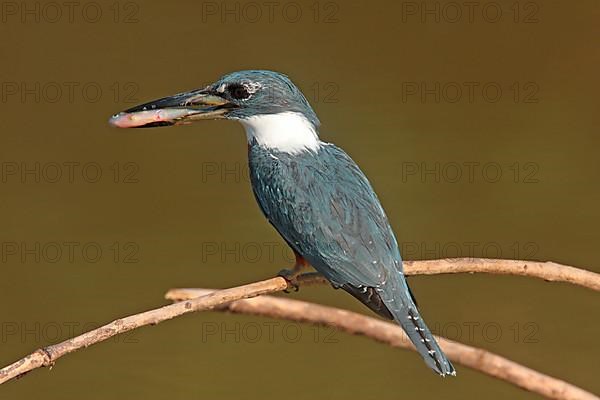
(179, 109)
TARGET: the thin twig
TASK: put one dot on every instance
(47, 356)
(391, 334)
(548, 271)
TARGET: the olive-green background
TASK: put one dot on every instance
(179, 212)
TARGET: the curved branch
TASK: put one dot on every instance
(391, 334)
(548, 271)
(47, 356)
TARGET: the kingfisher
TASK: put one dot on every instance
(311, 191)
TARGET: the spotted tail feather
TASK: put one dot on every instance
(405, 312)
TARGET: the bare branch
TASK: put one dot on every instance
(47, 356)
(548, 271)
(391, 334)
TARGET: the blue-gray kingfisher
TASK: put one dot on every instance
(311, 191)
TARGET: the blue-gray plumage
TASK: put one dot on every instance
(324, 207)
(312, 192)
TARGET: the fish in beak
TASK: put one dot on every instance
(182, 108)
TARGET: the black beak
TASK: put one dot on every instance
(182, 108)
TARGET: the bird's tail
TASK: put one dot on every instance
(404, 311)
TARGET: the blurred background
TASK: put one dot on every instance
(476, 123)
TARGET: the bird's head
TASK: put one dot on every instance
(241, 95)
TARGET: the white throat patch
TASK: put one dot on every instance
(290, 132)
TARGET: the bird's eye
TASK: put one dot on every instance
(238, 92)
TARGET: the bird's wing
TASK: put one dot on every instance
(325, 208)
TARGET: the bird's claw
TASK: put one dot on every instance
(291, 277)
